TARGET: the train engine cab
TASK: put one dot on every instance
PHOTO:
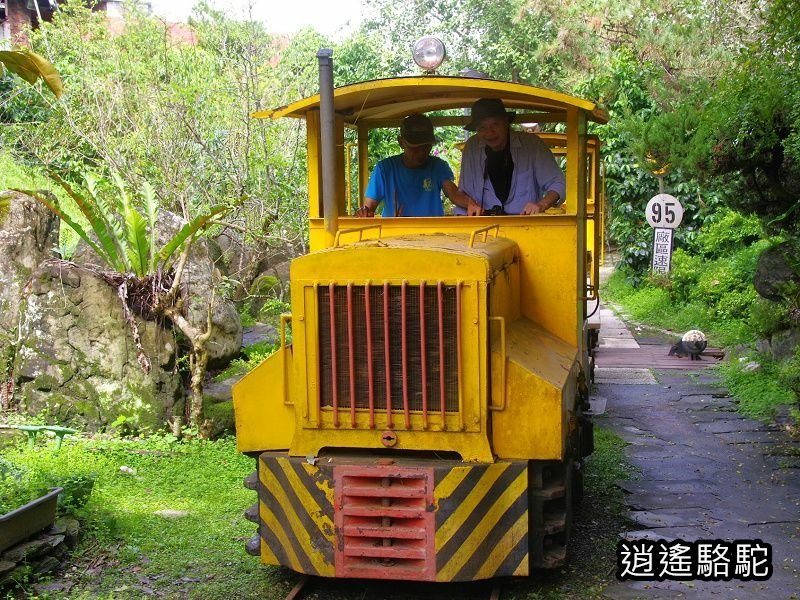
(426, 420)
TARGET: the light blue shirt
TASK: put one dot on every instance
(536, 172)
(409, 192)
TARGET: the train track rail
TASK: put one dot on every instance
(306, 583)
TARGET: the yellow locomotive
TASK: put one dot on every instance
(426, 422)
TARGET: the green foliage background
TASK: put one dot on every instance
(676, 77)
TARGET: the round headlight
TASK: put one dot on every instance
(429, 53)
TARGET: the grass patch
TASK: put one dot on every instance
(760, 392)
(654, 306)
(607, 465)
(647, 304)
(130, 551)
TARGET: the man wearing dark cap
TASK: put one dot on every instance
(505, 171)
(411, 184)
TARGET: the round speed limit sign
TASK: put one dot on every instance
(664, 211)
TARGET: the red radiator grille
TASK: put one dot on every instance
(384, 522)
(409, 332)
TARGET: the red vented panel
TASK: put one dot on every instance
(385, 527)
(392, 349)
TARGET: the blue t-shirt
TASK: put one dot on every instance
(409, 192)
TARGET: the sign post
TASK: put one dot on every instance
(662, 250)
(664, 213)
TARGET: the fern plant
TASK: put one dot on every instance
(123, 238)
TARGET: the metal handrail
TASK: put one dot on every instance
(503, 358)
(359, 230)
(485, 231)
(285, 318)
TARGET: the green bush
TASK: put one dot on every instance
(789, 373)
(253, 356)
(728, 233)
(685, 275)
(735, 304)
(724, 285)
(767, 317)
(618, 286)
(657, 304)
(650, 303)
(731, 333)
(15, 489)
(273, 308)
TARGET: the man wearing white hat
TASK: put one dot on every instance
(506, 172)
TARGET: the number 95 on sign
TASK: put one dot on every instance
(664, 211)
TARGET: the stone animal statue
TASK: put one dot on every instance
(691, 344)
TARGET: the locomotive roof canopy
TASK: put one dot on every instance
(386, 101)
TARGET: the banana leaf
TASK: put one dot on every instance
(123, 190)
(109, 211)
(31, 67)
(151, 206)
(129, 239)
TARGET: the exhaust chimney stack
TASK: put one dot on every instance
(327, 141)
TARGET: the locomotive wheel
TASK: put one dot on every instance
(550, 508)
(577, 483)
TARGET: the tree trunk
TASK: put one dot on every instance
(198, 361)
(198, 355)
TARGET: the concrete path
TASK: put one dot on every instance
(706, 473)
(614, 333)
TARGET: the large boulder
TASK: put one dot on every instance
(231, 254)
(28, 233)
(201, 282)
(77, 363)
(784, 343)
(64, 340)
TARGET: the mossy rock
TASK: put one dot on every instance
(264, 284)
(264, 287)
(221, 416)
(46, 383)
(776, 277)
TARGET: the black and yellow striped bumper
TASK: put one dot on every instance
(421, 520)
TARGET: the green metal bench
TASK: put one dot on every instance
(33, 431)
